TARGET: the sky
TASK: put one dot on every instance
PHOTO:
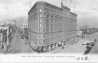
(87, 10)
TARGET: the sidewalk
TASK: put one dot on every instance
(75, 48)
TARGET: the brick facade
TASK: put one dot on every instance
(50, 24)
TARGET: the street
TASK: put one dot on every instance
(19, 45)
(95, 48)
(75, 48)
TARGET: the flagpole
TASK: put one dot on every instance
(60, 2)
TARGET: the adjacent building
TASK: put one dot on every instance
(7, 32)
(49, 24)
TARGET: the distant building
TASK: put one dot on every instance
(49, 24)
(4, 37)
(6, 34)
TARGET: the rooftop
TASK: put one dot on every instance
(53, 6)
(48, 4)
(73, 14)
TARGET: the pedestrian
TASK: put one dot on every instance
(63, 44)
(59, 44)
(52, 46)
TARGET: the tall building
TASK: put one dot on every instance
(49, 24)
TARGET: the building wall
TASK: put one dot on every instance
(49, 24)
(59, 25)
